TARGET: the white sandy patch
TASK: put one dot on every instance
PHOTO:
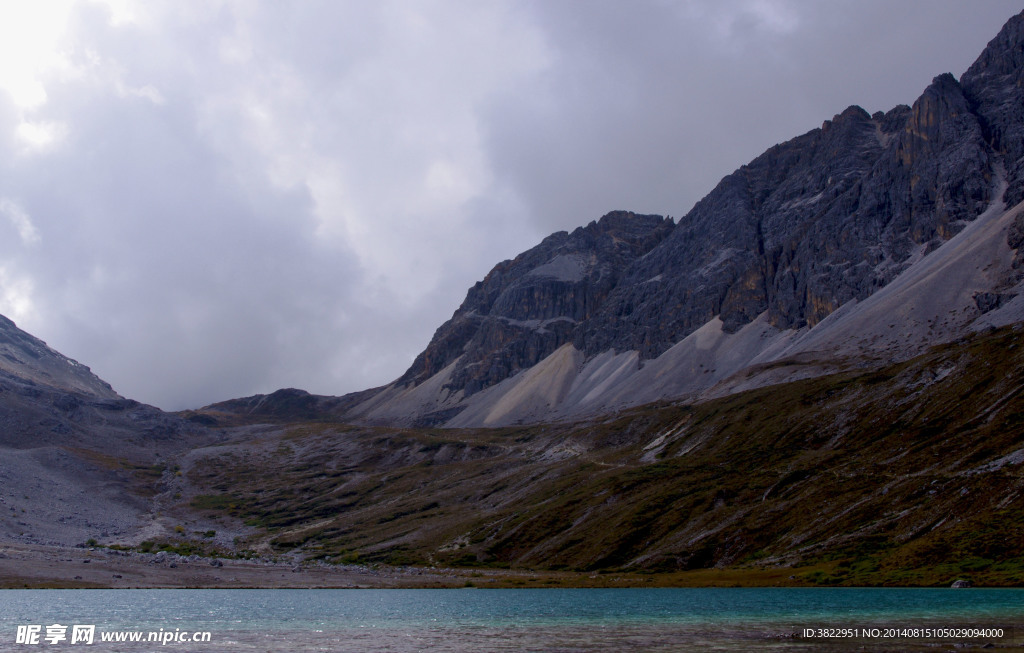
(401, 404)
(527, 396)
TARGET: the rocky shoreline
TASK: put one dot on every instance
(41, 566)
(35, 566)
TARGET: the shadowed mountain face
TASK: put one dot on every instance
(820, 222)
(993, 86)
(527, 308)
(830, 216)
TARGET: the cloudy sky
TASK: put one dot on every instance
(203, 200)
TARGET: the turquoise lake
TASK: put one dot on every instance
(774, 619)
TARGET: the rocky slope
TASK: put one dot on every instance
(527, 308)
(634, 308)
(79, 460)
(50, 399)
(28, 358)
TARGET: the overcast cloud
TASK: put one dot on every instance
(206, 200)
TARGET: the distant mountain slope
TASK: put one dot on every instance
(25, 356)
(782, 259)
(78, 460)
(47, 398)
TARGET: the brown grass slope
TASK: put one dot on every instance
(908, 474)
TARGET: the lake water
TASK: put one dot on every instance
(775, 619)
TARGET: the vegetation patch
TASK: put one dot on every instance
(903, 475)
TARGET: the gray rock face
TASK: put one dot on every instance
(528, 307)
(993, 87)
(34, 414)
(28, 357)
(48, 399)
(828, 217)
(69, 444)
(1015, 238)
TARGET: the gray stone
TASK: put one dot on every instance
(528, 307)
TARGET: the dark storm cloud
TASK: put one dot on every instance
(216, 199)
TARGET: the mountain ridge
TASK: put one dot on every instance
(77, 456)
(24, 356)
(813, 225)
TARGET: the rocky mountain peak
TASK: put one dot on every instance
(933, 119)
(1004, 55)
(993, 85)
(624, 224)
(892, 120)
(852, 114)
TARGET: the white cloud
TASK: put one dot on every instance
(20, 220)
(16, 292)
(388, 147)
(147, 92)
(29, 44)
(35, 137)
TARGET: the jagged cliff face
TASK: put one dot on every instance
(994, 85)
(527, 308)
(820, 222)
(827, 217)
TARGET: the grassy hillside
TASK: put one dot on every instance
(910, 474)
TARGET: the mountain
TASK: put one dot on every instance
(861, 242)
(49, 398)
(78, 458)
(26, 357)
(836, 330)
